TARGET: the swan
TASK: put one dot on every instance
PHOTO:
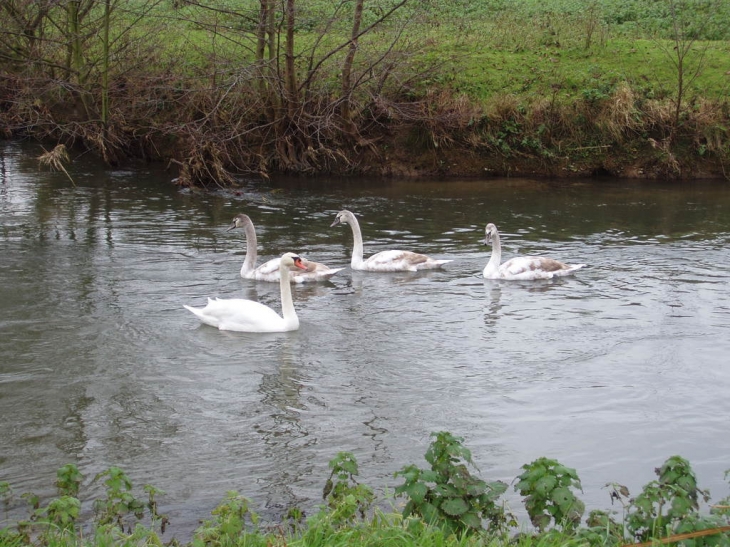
(384, 261)
(521, 267)
(269, 271)
(241, 315)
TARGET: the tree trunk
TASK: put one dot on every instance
(290, 75)
(347, 69)
(105, 67)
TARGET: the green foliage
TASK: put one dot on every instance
(6, 493)
(447, 495)
(446, 507)
(346, 498)
(63, 512)
(722, 508)
(546, 486)
(228, 527)
(600, 529)
(668, 505)
(120, 503)
(68, 480)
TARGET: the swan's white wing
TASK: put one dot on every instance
(237, 314)
(316, 271)
(399, 261)
(268, 271)
(535, 267)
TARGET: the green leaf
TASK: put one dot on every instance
(497, 488)
(417, 492)
(563, 497)
(545, 485)
(446, 490)
(455, 507)
(541, 522)
(681, 507)
(428, 475)
(430, 513)
(472, 520)
(476, 488)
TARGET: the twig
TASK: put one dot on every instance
(680, 537)
(55, 158)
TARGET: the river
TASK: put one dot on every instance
(610, 371)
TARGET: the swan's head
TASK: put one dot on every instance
(239, 221)
(292, 261)
(490, 233)
(342, 217)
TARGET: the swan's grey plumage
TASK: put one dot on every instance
(237, 314)
(269, 271)
(384, 261)
(521, 267)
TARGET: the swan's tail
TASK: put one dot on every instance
(572, 268)
(320, 275)
(200, 314)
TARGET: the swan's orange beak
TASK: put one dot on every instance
(299, 264)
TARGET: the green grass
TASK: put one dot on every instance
(492, 47)
(644, 64)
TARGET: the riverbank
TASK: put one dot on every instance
(625, 89)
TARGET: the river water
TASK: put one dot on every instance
(610, 371)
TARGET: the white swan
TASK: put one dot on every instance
(269, 271)
(384, 261)
(241, 315)
(521, 267)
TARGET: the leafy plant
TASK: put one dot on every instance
(120, 503)
(63, 512)
(6, 493)
(447, 495)
(345, 496)
(601, 529)
(68, 480)
(665, 503)
(546, 486)
(722, 508)
(229, 525)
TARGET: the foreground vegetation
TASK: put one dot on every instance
(407, 87)
(445, 505)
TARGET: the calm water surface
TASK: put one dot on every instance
(610, 371)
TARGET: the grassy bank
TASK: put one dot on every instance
(443, 504)
(557, 88)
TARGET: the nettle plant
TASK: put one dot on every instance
(547, 487)
(233, 521)
(447, 495)
(61, 514)
(346, 498)
(120, 503)
(670, 505)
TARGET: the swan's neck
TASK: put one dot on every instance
(357, 250)
(249, 263)
(496, 258)
(287, 305)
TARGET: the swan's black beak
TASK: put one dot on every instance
(336, 222)
(232, 226)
